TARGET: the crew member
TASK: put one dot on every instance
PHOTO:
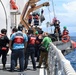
(4, 41)
(37, 45)
(44, 54)
(19, 40)
(65, 31)
(65, 36)
(30, 51)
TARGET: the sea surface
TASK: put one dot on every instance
(72, 56)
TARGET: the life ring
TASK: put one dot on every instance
(65, 38)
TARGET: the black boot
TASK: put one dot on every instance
(4, 67)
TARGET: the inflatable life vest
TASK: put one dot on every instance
(36, 17)
(36, 20)
(65, 32)
(65, 38)
(3, 38)
(13, 5)
(19, 39)
(30, 16)
(32, 40)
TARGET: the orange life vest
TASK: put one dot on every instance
(32, 40)
(65, 32)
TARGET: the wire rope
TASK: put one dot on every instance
(50, 18)
(53, 8)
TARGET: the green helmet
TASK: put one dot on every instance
(36, 32)
(64, 27)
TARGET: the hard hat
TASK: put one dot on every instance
(14, 30)
(36, 32)
(64, 27)
(20, 27)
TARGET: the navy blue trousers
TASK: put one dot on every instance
(14, 56)
(4, 56)
(30, 52)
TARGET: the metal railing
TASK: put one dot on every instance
(57, 63)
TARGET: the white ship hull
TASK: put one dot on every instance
(5, 15)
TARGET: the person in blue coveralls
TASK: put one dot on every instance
(18, 48)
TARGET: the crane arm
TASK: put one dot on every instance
(36, 7)
(26, 11)
(30, 2)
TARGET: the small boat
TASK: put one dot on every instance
(73, 44)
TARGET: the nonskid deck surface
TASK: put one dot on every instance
(29, 70)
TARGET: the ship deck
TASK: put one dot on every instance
(29, 70)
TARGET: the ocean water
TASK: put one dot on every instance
(72, 56)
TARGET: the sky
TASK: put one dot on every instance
(65, 11)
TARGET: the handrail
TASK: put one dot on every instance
(57, 63)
